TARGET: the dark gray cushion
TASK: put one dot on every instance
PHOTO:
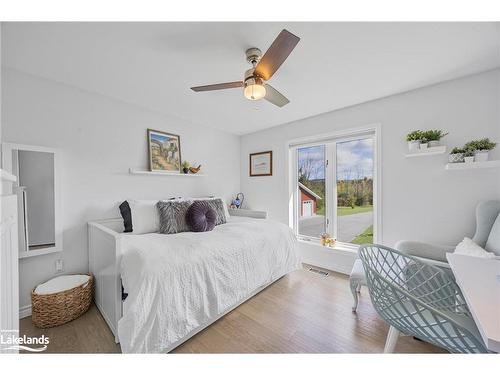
(200, 217)
(173, 216)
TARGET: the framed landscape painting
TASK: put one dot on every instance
(261, 164)
(164, 151)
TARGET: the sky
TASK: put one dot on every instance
(354, 159)
(160, 137)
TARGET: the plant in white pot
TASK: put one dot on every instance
(481, 148)
(456, 155)
(413, 138)
(424, 143)
(433, 136)
(468, 155)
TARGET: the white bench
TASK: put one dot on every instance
(356, 280)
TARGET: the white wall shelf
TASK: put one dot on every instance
(248, 213)
(158, 173)
(6, 176)
(474, 165)
(436, 150)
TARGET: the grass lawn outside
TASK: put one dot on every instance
(365, 237)
(343, 211)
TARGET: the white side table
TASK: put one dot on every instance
(479, 280)
(248, 213)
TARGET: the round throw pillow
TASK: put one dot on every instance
(200, 217)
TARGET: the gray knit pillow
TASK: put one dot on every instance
(173, 216)
(218, 206)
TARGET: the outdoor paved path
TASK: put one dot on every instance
(349, 226)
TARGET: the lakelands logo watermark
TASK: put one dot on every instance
(11, 341)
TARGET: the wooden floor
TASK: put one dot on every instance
(301, 313)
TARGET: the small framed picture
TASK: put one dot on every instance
(164, 151)
(261, 164)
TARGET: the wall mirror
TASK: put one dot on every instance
(37, 190)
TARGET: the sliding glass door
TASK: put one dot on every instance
(335, 189)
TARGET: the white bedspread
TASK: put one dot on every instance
(176, 283)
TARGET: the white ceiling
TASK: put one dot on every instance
(334, 65)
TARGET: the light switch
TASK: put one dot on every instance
(59, 265)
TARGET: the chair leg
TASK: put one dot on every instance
(391, 341)
(354, 290)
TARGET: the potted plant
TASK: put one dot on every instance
(433, 136)
(424, 143)
(481, 148)
(413, 138)
(468, 155)
(185, 166)
(456, 155)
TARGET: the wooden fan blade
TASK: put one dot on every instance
(218, 86)
(276, 55)
(275, 97)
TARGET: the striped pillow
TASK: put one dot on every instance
(173, 216)
(218, 206)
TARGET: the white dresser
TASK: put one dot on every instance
(9, 278)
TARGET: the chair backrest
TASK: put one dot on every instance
(486, 214)
(419, 299)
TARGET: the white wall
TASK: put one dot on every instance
(498, 117)
(100, 138)
(1, 26)
(420, 200)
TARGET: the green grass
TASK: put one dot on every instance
(365, 237)
(343, 211)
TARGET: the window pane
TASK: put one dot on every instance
(311, 185)
(355, 191)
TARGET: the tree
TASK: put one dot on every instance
(308, 168)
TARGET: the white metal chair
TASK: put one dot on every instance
(418, 299)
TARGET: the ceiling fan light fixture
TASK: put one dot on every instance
(263, 68)
(254, 89)
(255, 92)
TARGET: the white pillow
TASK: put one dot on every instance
(145, 216)
(469, 247)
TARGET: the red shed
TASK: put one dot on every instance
(308, 201)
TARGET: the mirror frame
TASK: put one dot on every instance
(7, 149)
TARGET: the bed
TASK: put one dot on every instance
(178, 284)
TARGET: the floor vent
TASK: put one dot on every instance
(319, 272)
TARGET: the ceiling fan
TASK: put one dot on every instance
(263, 68)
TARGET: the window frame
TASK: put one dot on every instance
(330, 140)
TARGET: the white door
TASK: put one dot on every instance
(307, 208)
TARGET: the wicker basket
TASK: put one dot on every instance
(51, 310)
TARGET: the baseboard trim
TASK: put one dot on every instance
(25, 311)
